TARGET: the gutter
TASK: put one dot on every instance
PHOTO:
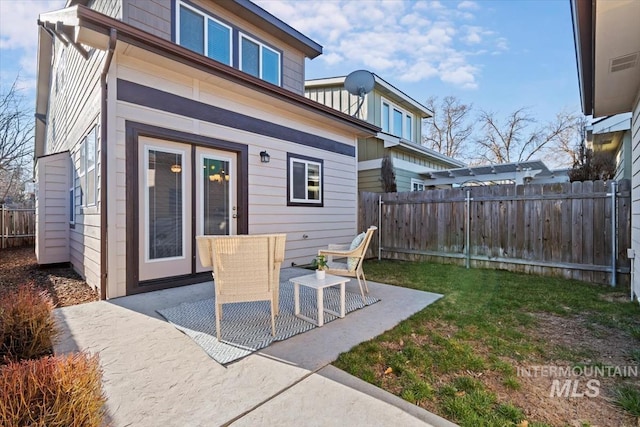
(113, 36)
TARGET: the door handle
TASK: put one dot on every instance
(235, 214)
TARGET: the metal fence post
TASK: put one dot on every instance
(467, 233)
(614, 231)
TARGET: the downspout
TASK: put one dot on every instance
(103, 165)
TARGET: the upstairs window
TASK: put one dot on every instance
(305, 181)
(396, 121)
(259, 60)
(203, 34)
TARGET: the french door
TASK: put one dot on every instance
(173, 181)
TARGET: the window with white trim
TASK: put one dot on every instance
(72, 192)
(305, 181)
(417, 185)
(396, 121)
(87, 171)
(203, 34)
(259, 60)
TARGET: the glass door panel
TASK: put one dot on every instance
(215, 194)
(164, 190)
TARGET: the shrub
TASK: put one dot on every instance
(27, 327)
(52, 391)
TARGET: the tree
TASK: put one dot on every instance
(387, 175)
(519, 138)
(449, 129)
(16, 141)
(593, 165)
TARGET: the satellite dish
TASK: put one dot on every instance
(359, 83)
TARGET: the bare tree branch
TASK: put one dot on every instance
(449, 130)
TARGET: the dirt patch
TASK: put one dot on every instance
(564, 393)
(65, 286)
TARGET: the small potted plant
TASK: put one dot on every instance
(320, 263)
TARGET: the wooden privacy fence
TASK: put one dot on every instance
(17, 227)
(578, 230)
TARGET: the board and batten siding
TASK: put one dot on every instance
(154, 16)
(635, 195)
(307, 228)
(52, 208)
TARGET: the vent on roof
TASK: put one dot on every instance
(624, 62)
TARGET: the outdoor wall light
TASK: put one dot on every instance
(176, 168)
(264, 157)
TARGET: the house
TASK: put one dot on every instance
(400, 120)
(157, 121)
(612, 134)
(607, 39)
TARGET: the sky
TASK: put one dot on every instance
(499, 55)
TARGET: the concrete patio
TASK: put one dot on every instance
(156, 375)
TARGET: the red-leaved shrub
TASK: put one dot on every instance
(27, 327)
(52, 391)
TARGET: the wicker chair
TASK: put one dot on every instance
(245, 268)
(355, 258)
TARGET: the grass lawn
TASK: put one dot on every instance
(463, 357)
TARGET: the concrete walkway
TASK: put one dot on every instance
(155, 375)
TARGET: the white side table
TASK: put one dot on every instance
(310, 281)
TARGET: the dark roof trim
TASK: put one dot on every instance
(257, 15)
(132, 35)
(583, 17)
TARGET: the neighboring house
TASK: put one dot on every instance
(400, 119)
(612, 134)
(157, 121)
(607, 38)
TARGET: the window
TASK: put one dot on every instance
(417, 185)
(259, 60)
(305, 181)
(72, 193)
(198, 31)
(396, 121)
(87, 173)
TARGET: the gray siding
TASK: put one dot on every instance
(635, 194)
(152, 16)
(369, 180)
(74, 108)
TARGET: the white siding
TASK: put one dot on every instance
(307, 228)
(52, 209)
(635, 194)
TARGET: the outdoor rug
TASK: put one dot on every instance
(246, 327)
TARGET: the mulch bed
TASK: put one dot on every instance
(61, 282)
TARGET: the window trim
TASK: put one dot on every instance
(415, 181)
(206, 16)
(307, 160)
(261, 46)
(407, 134)
(72, 193)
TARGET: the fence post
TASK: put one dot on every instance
(2, 225)
(379, 227)
(467, 233)
(614, 231)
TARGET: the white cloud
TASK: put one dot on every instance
(400, 40)
(468, 5)
(19, 38)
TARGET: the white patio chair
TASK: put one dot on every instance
(246, 268)
(355, 253)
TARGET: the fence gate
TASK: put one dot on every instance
(578, 230)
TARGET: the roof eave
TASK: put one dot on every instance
(94, 28)
(43, 83)
(582, 16)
